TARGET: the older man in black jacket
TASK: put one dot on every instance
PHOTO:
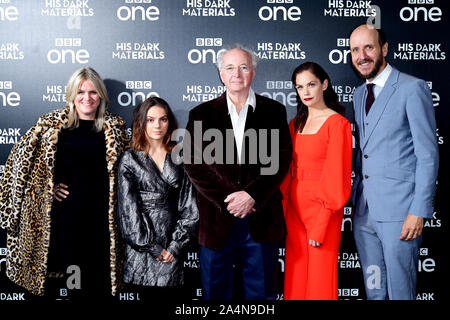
(237, 176)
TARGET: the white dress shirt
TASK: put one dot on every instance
(380, 80)
(238, 120)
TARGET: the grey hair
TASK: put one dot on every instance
(73, 85)
(239, 46)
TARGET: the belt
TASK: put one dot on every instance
(306, 174)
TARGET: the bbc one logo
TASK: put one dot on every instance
(9, 13)
(435, 95)
(8, 98)
(281, 257)
(134, 10)
(132, 98)
(421, 13)
(281, 91)
(347, 222)
(348, 292)
(426, 262)
(275, 12)
(340, 55)
(68, 51)
(204, 52)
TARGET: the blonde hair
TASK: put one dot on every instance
(74, 84)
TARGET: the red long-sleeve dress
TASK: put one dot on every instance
(315, 191)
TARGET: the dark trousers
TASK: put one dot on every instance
(258, 263)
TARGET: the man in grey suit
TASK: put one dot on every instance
(396, 168)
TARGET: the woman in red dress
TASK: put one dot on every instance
(316, 188)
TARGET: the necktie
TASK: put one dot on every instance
(370, 96)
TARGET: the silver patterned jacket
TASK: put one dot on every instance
(156, 210)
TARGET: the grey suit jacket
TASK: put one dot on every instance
(397, 164)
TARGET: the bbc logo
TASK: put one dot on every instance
(208, 42)
(420, 1)
(3, 251)
(348, 292)
(347, 211)
(5, 85)
(424, 251)
(138, 1)
(279, 85)
(343, 42)
(280, 1)
(430, 85)
(68, 42)
(138, 84)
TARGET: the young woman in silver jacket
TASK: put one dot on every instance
(156, 203)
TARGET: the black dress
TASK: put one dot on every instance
(79, 227)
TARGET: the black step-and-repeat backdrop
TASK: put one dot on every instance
(168, 48)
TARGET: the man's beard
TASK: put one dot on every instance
(374, 72)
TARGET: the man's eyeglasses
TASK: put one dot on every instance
(232, 69)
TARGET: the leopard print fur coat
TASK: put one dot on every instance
(26, 197)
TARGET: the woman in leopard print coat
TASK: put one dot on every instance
(27, 188)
